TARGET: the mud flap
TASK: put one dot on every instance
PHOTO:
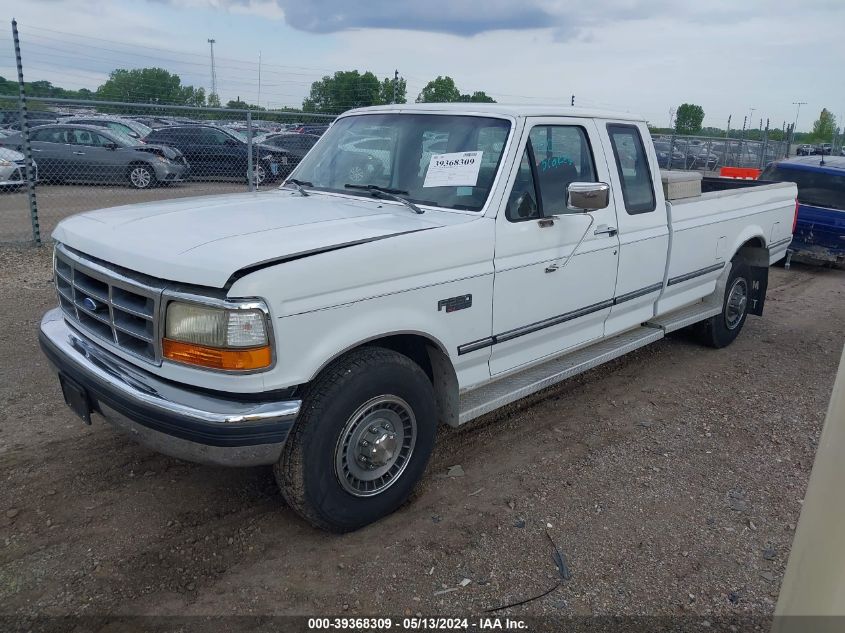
(757, 294)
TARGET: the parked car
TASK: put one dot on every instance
(91, 154)
(820, 222)
(663, 148)
(804, 150)
(217, 152)
(296, 146)
(127, 127)
(12, 118)
(823, 149)
(700, 157)
(328, 328)
(13, 169)
(319, 130)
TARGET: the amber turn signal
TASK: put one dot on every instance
(216, 358)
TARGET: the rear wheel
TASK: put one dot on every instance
(141, 176)
(721, 330)
(259, 174)
(362, 441)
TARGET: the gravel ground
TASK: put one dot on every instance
(670, 480)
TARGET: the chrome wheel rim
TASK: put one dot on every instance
(736, 303)
(260, 174)
(140, 177)
(356, 174)
(375, 446)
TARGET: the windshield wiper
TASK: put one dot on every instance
(300, 186)
(390, 194)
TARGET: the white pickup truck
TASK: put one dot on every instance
(482, 253)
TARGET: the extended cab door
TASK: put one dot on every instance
(555, 269)
(643, 229)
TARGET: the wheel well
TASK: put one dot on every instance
(436, 364)
(754, 252)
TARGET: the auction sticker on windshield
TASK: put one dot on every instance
(458, 169)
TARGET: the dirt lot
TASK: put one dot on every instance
(671, 480)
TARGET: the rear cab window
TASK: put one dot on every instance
(816, 188)
(632, 165)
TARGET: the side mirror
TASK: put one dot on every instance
(583, 197)
(231, 142)
(111, 146)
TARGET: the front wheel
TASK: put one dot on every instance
(141, 176)
(362, 440)
(721, 330)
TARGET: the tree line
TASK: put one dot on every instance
(689, 119)
(332, 94)
(343, 90)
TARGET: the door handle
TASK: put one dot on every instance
(36, 150)
(604, 229)
(552, 267)
(80, 153)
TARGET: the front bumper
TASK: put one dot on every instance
(167, 417)
(171, 172)
(15, 175)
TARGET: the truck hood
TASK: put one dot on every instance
(206, 240)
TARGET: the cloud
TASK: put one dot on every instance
(440, 16)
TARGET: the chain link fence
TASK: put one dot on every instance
(710, 154)
(92, 155)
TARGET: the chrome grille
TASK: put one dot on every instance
(109, 305)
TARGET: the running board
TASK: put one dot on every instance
(686, 316)
(513, 387)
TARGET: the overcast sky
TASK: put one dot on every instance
(641, 56)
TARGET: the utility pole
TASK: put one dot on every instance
(795, 125)
(728, 130)
(213, 71)
(259, 80)
(395, 84)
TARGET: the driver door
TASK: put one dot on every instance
(555, 269)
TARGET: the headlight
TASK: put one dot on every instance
(5, 163)
(268, 157)
(219, 338)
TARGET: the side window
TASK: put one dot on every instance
(83, 137)
(522, 203)
(48, 135)
(562, 156)
(634, 172)
(101, 140)
(214, 137)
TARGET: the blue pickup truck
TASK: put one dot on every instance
(819, 235)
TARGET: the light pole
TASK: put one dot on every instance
(213, 72)
(795, 125)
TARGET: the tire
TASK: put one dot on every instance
(141, 176)
(721, 330)
(355, 404)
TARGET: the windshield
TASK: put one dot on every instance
(241, 137)
(139, 127)
(439, 160)
(128, 141)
